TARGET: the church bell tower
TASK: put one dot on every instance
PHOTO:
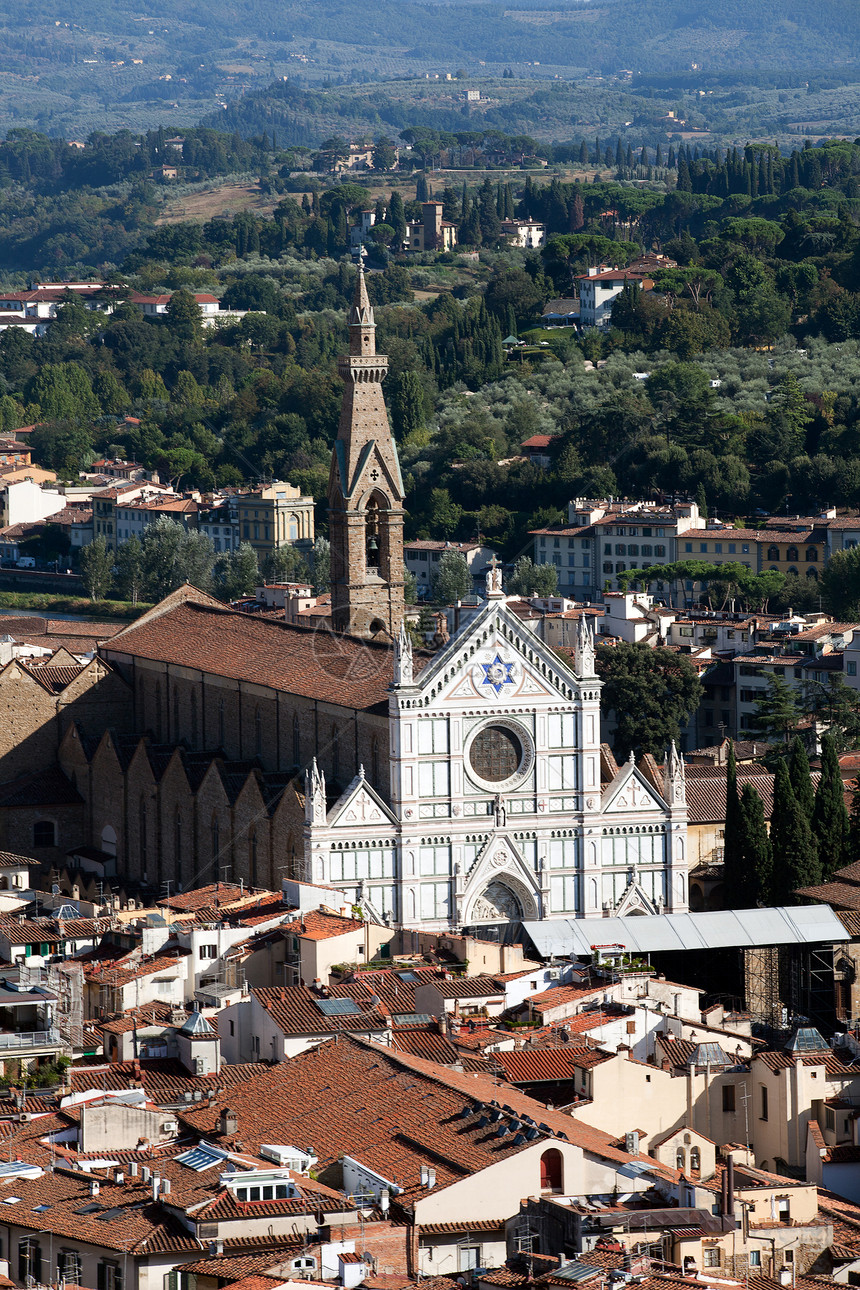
(365, 491)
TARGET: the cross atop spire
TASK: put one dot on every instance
(362, 327)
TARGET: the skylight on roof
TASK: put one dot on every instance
(201, 1157)
(411, 1018)
(338, 1007)
(408, 976)
(11, 1200)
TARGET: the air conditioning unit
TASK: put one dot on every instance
(552, 974)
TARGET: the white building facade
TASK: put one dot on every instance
(497, 812)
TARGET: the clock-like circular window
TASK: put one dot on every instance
(496, 754)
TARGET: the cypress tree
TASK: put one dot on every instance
(628, 161)
(830, 818)
(733, 877)
(795, 170)
(619, 154)
(756, 850)
(671, 162)
(792, 842)
(583, 153)
(659, 158)
(643, 157)
(685, 183)
(854, 823)
(801, 781)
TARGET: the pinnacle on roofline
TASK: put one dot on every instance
(361, 313)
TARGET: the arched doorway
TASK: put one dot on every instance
(551, 1170)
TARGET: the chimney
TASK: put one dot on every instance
(94, 1187)
(785, 1276)
(730, 1186)
(228, 1122)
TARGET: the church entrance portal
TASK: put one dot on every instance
(497, 904)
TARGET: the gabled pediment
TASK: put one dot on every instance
(633, 902)
(359, 805)
(630, 791)
(496, 659)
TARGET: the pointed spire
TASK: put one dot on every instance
(583, 663)
(674, 777)
(361, 321)
(403, 674)
(315, 799)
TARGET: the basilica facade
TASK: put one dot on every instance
(461, 788)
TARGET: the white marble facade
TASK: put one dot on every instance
(496, 807)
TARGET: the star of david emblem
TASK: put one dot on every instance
(497, 674)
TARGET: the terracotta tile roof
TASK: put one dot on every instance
(296, 1010)
(118, 976)
(706, 794)
(264, 651)
(52, 929)
(531, 1066)
(560, 994)
(138, 1224)
(319, 926)
(843, 895)
(390, 1110)
(217, 893)
(164, 1080)
(256, 1282)
(9, 860)
(232, 1267)
(426, 1042)
(468, 987)
(149, 1014)
(834, 1063)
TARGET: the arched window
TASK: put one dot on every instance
(793, 569)
(293, 526)
(216, 842)
(252, 856)
(773, 553)
(811, 554)
(681, 1159)
(142, 835)
(220, 723)
(813, 574)
(193, 718)
(258, 732)
(335, 752)
(791, 553)
(158, 712)
(297, 740)
(371, 533)
(44, 833)
(551, 1170)
(695, 1160)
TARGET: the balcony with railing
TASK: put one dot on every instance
(19, 1039)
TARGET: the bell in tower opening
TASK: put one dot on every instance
(365, 491)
